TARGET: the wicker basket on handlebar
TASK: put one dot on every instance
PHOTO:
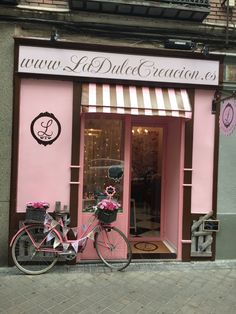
(106, 216)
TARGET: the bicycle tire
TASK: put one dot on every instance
(24, 255)
(113, 247)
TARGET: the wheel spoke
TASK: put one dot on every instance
(113, 248)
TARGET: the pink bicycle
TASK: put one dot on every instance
(37, 246)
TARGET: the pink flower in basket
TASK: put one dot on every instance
(107, 204)
(38, 205)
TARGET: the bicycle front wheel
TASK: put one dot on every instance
(27, 257)
(113, 247)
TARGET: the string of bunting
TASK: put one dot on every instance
(50, 223)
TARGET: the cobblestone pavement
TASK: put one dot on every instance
(160, 287)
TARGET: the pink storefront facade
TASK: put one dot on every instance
(82, 112)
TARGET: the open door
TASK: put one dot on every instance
(147, 210)
(146, 178)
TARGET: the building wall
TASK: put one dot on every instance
(44, 170)
(226, 193)
(203, 153)
(6, 90)
(225, 245)
(218, 14)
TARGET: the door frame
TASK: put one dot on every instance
(128, 122)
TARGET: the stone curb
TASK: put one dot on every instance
(137, 266)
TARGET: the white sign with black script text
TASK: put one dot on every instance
(95, 64)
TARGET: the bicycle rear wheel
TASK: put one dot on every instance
(27, 257)
(113, 247)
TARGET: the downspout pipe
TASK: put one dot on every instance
(227, 26)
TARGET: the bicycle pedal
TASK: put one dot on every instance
(70, 252)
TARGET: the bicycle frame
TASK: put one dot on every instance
(37, 246)
(63, 238)
(27, 226)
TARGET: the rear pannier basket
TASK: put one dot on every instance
(35, 214)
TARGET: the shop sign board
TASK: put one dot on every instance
(211, 225)
(228, 116)
(96, 64)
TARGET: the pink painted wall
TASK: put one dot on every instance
(44, 171)
(172, 182)
(203, 152)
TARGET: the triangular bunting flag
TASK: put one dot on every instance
(65, 246)
(65, 231)
(91, 235)
(47, 219)
(84, 227)
(50, 236)
(56, 242)
(53, 224)
(75, 231)
(82, 241)
(75, 246)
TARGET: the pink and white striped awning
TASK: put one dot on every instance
(136, 100)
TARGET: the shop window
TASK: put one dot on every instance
(103, 159)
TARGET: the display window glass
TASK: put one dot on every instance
(103, 160)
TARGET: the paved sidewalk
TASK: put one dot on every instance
(160, 287)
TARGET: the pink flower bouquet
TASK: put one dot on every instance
(109, 205)
(35, 205)
(36, 211)
(106, 211)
